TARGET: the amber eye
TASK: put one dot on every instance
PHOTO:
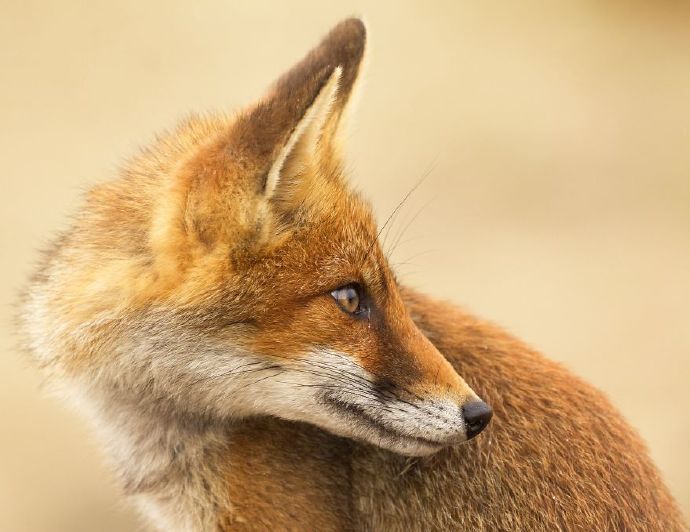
(349, 299)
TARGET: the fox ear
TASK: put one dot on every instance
(300, 115)
(303, 141)
(261, 155)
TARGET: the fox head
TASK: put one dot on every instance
(231, 272)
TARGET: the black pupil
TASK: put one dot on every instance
(348, 298)
(351, 298)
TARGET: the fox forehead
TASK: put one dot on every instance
(336, 243)
(328, 240)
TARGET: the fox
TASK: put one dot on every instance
(224, 314)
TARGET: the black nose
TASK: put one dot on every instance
(477, 416)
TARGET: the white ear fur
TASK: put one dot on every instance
(308, 130)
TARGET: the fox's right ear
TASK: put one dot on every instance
(298, 120)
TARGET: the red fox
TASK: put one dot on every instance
(225, 315)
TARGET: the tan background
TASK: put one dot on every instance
(555, 135)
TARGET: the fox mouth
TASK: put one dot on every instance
(384, 432)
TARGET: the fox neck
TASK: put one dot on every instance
(168, 464)
(189, 475)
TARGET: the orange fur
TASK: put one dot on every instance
(557, 455)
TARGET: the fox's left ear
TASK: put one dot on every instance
(297, 122)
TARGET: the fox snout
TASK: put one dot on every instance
(407, 397)
(417, 375)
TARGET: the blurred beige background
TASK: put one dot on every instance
(555, 136)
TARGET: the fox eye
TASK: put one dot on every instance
(349, 299)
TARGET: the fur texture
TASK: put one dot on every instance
(188, 312)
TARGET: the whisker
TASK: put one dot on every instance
(343, 379)
(407, 225)
(396, 210)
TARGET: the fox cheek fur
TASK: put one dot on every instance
(199, 282)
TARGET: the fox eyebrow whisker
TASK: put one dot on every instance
(398, 237)
(393, 214)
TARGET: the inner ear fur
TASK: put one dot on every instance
(302, 145)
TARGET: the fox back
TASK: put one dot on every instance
(224, 313)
